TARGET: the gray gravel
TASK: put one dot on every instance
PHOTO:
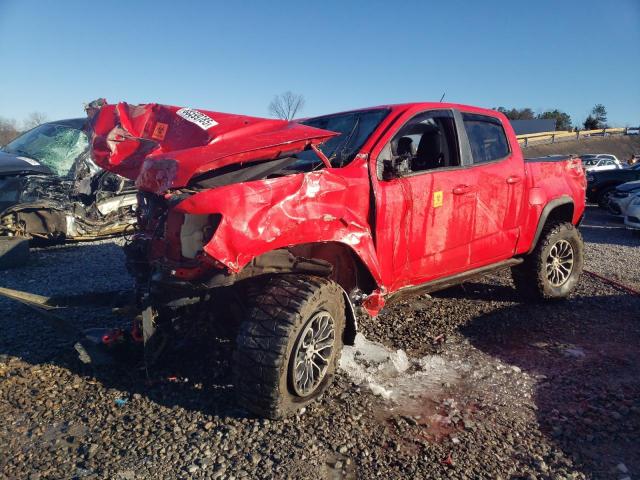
(612, 248)
(539, 391)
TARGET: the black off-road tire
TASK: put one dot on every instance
(278, 311)
(530, 277)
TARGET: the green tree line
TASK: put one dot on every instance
(596, 119)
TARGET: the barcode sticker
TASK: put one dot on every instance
(194, 116)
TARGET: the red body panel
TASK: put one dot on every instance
(547, 181)
(160, 149)
(484, 212)
(327, 205)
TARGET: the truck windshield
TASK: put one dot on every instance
(354, 128)
(55, 146)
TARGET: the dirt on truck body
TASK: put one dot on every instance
(290, 229)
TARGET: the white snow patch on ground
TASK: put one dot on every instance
(392, 375)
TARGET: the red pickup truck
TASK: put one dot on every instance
(290, 228)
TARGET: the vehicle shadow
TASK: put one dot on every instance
(612, 235)
(600, 227)
(195, 376)
(586, 360)
(478, 290)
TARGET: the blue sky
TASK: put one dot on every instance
(234, 56)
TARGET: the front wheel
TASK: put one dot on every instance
(288, 344)
(553, 269)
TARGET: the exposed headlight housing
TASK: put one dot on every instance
(196, 232)
(157, 175)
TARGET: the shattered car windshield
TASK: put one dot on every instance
(55, 146)
(354, 128)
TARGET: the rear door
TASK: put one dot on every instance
(498, 172)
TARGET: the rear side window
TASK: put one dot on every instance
(487, 139)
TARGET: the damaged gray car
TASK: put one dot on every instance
(51, 191)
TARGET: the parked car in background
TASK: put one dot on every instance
(51, 190)
(622, 196)
(600, 162)
(601, 185)
(632, 217)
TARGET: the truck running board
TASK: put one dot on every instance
(446, 282)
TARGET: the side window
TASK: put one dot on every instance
(426, 142)
(486, 136)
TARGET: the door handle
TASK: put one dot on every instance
(514, 179)
(462, 189)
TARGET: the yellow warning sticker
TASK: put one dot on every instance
(160, 131)
(437, 199)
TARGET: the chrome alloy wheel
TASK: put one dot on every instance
(559, 263)
(312, 353)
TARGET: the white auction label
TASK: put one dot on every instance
(194, 116)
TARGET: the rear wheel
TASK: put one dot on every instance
(553, 269)
(289, 343)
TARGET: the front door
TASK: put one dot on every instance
(425, 212)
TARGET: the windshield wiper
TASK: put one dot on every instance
(342, 146)
(17, 151)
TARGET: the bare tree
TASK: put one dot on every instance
(8, 130)
(286, 105)
(34, 119)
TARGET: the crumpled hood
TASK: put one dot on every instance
(163, 147)
(11, 164)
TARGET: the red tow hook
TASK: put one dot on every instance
(113, 336)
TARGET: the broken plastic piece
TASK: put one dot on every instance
(374, 303)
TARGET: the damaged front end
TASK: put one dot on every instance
(225, 200)
(51, 190)
(44, 209)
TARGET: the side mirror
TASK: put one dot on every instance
(395, 168)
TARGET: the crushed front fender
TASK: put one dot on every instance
(330, 205)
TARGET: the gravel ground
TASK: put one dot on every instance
(489, 387)
(613, 248)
